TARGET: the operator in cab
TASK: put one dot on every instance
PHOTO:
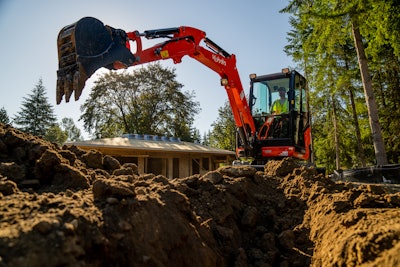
(280, 105)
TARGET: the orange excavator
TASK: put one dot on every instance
(264, 132)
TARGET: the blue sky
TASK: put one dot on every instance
(253, 30)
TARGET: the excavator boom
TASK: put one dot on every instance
(87, 45)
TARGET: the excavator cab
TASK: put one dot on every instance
(279, 107)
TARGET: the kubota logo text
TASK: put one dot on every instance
(219, 60)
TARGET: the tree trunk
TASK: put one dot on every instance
(336, 134)
(360, 148)
(308, 108)
(361, 152)
(377, 139)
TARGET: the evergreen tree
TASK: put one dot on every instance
(36, 115)
(377, 137)
(332, 41)
(3, 116)
(195, 136)
(205, 141)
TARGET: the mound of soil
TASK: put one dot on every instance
(70, 207)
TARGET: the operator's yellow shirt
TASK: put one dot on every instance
(278, 107)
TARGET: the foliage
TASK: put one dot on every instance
(56, 135)
(69, 127)
(147, 101)
(36, 115)
(195, 137)
(223, 131)
(3, 116)
(321, 42)
(205, 140)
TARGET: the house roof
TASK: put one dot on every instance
(143, 144)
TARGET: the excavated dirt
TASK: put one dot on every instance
(70, 207)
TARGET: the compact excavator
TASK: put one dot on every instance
(263, 133)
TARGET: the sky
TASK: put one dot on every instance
(253, 30)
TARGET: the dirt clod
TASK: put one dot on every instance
(70, 207)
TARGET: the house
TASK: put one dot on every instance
(167, 156)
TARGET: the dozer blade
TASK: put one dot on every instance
(83, 48)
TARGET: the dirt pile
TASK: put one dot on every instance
(70, 207)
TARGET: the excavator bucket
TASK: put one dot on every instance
(83, 48)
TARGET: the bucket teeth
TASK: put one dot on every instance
(68, 89)
(79, 83)
(83, 48)
(76, 85)
(60, 89)
(66, 63)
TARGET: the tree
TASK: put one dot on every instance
(223, 130)
(205, 141)
(329, 70)
(73, 132)
(377, 138)
(36, 115)
(56, 135)
(195, 136)
(3, 116)
(321, 29)
(147, 101)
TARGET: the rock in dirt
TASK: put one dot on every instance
(105, 188)
(70, 177)
(110, 163)
(238, 171)
(13, 171)
(93, 159)
(214, 177)
(46, 167)
(7, 187)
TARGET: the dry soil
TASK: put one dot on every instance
(63, 206)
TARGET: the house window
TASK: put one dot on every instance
(155, 166)
(195, 166)
(206, 164)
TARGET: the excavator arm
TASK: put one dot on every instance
(87, 45)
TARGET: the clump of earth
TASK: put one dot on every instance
(64, 206)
